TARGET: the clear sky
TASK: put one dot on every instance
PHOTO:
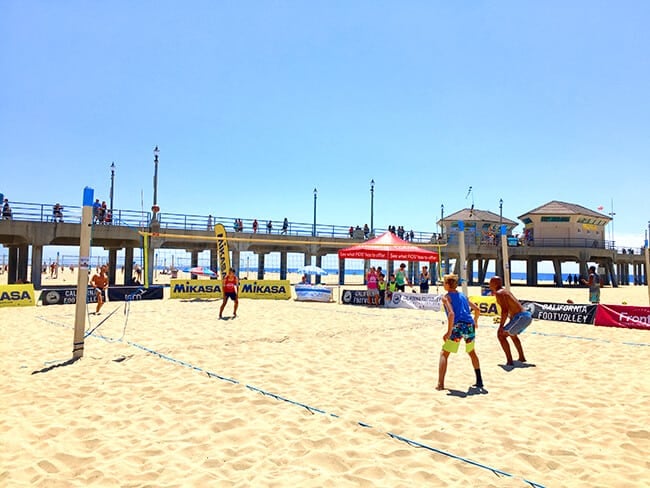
(255, 104)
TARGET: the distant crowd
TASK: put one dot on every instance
(358, 232)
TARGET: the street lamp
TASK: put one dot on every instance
(442, 218)
(155, 207)
(112, 186)
(500, 214)
(313, 232)
(372, 207)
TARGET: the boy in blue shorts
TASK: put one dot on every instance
(519, 319)
(461, 325)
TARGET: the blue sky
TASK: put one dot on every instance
(253, 104)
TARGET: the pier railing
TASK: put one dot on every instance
(44, 212)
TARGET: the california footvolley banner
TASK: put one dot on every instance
(418, 301)
(561, 312)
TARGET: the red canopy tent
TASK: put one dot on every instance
(389, 247)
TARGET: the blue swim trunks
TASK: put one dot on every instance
(518, 323)
(461, 330)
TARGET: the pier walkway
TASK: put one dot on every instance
(34, 225)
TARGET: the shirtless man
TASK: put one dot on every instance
(510, 308)
(99, 282)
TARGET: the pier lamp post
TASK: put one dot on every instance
(313, 232)
(442, 218)
(112, 187)
(155, 208)
(500, 214)
(372, 207)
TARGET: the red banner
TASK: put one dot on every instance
(623, 316)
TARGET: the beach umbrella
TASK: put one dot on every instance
(201, 271)
(312, 270)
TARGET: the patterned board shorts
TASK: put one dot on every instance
(518, 323)
(460, 331)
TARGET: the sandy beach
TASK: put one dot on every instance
(167, 395)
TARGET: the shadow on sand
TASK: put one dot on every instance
(472, 390)
(517, 365)
(57, 365)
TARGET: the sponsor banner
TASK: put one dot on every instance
(265, 289)
(259, 289)
(62, 296)
(627, 316)
(486, 304)
(418, 301)
(561, 312)
(195, 289)
(17, 295)
(129, 293)
(222, 249)
(354, 297)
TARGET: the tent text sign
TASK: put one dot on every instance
(389, 247)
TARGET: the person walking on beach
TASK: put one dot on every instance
(99, 282)
(519, 319)
(230, 290)
(462, 319)
(593, 282)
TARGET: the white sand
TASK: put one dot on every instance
(579, 415)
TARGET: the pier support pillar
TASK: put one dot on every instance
(112, 265)
(283, 265)
(37, 266)
(319, 263)
(531, 272)
(557, 272)
(128, 264)
(214, 261)
(23, 259)
(12, 266)
(194, 262)
(260, 266)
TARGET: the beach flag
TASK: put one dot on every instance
(222, 249)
